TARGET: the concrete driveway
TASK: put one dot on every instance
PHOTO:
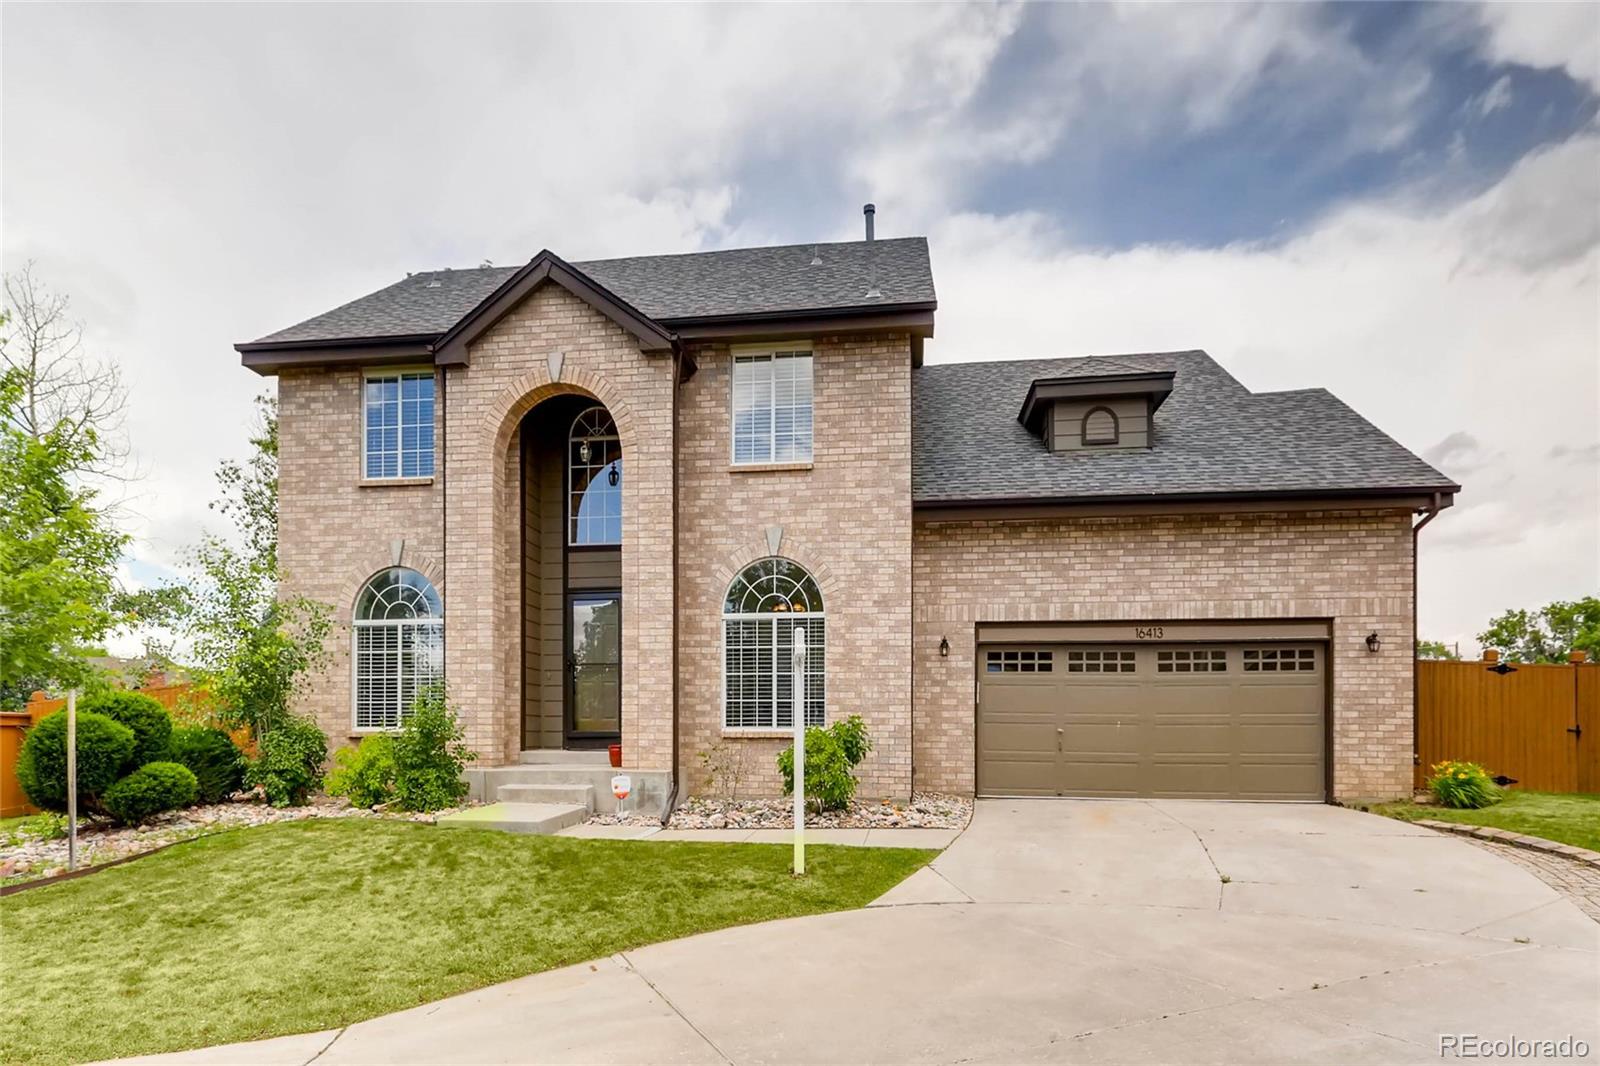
(1072, 931)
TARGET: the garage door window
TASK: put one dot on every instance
(765, 605)
(1184, 661)
(1280, 660)
(1020, 662)
(1099, 662)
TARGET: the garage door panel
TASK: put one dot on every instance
(1161, 722)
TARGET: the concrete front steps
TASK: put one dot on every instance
(579, 779)
(538, 818)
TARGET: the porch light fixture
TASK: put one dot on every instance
(583, 451)
(1373, 643)
(944, 647)
(614, 475)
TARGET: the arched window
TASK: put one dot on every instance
(399, 645)
(594, 479)
(766, 603)
(1100, 426)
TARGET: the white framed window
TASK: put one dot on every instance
(398, 633)
(765, 604)
(772, 405)
(397, 424)
(594, 479)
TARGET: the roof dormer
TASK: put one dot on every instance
(1100, 412)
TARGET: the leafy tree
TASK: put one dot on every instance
(58, 549)
(251, 647)
(1435, 649)
(1547, 635)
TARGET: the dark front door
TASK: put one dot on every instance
(594, 666)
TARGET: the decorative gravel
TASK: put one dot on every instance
(26, 858)
(927, 810)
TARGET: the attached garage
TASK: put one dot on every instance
(1180, 711)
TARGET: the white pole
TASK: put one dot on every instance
(72, 779)
(797, 693)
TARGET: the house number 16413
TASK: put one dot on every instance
(1148, 632)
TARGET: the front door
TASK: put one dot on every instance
(594, 666)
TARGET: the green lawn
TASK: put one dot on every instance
(312, 925)
(1564, 817)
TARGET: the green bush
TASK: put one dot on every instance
(213, 758)
(831, 755)
(289, 765)
(104, 748)
(150, 722)
(429, 755)
(366, 773)
(151, 789)
(1464, 784)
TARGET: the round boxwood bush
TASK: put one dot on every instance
(213, 758)
(104, 748)
(150, 722)
(151, 789)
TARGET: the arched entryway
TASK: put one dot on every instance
(571, 493)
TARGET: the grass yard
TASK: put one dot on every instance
(1564, 817)
(312, 925)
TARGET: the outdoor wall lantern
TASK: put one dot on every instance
(583, 452)
(944, 647)
(1373, 643)
(614, 476)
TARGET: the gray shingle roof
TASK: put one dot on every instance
(1211, 436)
(742, 281)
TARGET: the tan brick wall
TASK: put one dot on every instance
(333, 531)
(847, 519)
(1353, 568)
(508, 376)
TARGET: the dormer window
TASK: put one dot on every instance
(1100, 426)
(1096, 412)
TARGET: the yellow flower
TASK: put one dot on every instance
(1461, 777)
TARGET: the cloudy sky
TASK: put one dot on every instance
(1400, 203)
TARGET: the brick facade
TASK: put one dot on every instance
(847, 519)
(1352, 568)
(891, 589)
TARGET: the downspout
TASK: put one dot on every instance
(677, 377)
(1416, 687)
(444, 499)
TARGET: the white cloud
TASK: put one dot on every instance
(1550, 35)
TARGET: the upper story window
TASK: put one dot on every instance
(594, 479)
(772, 405)
(398, 425)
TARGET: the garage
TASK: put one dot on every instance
(1165, 715)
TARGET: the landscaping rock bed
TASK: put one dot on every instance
(24, 857)
(927, 810)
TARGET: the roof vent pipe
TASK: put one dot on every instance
(869, 210)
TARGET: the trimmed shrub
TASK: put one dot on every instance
(151, 789)
(104, 748)
(213, 758)
(365, 773)
(1464, 785)
(429, 755)
(831, 755)
(289, 763)
(150, 722)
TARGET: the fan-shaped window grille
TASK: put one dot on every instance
(1100, 426)
(398, 634)
(765, 605)
(594, 479)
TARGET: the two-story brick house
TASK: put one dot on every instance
(599, 498)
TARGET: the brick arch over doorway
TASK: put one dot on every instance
(508, 376)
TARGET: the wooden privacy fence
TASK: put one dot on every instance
(1536, 723)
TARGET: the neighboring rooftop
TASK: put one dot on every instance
(1212, 436)
(854, 275)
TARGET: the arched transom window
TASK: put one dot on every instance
(766, 603)
(399, 645)
(1100, 426)
(594, 479)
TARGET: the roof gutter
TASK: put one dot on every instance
(1431, 497)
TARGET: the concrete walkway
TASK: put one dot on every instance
(1072, 931)
(856, 838)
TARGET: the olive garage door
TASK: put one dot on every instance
(1203, 721)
